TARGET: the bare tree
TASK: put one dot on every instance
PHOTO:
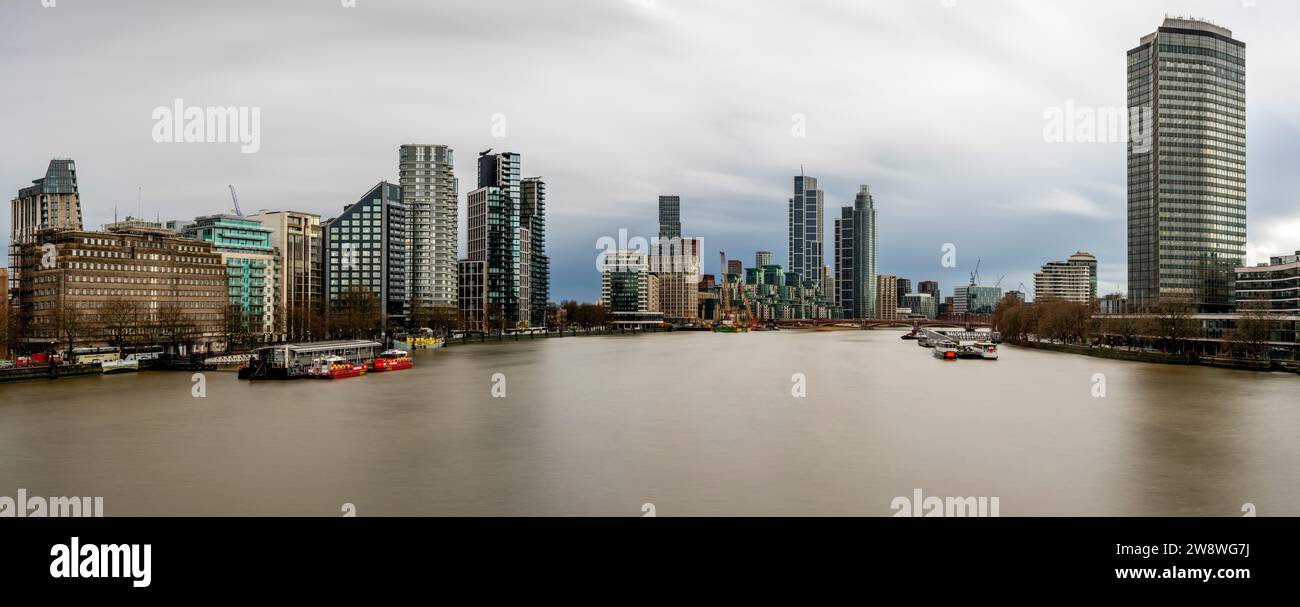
(588, 316)
(570, 308)
(70, 326)
(1008, 319)
(1252, 331)
(236, 326)
(1126, 328)
(552, 316)
(495, 320)
(420, 315)
(1173, 323)
(8, 325)
(442, 319)
(356, 314)
(119, 321)
(173, 326)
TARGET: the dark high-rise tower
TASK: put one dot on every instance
(856, 257)
(670, 216)
(904, 287)
(494, 236)
(1187, 171)
(806, 229)
(930, 288)
(365, 249)
(534, 264)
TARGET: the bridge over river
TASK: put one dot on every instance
(918, 324)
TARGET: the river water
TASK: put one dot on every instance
(693, 423)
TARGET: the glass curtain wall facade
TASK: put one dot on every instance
(366, 247)
(806, 232)
(670, 216)
(251, 262)
(535, 266)
(1187, 170)
(856, 256)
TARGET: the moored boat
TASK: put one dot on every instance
(730, 329)
(985, 350)
(393, 360)
(427, 343)
(335, 367)
(306, 360)
(728, 326)
(119, 366)
(945, 351)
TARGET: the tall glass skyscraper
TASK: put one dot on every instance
(507, 239)
(856, 257)
(1187, 171)
(534, 264)
(806, 229)
(670, 216)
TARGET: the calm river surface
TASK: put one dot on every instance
(695, 423)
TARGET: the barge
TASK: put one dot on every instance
(305, 360)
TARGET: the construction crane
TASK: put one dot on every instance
(998, 284)
(726, 307)
(235, 198)
(975, 276)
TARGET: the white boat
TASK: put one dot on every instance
(119, 366)
(945, 351)
(986, 350)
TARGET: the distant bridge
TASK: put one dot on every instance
(809, 323)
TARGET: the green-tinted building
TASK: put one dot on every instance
(250, 260)
(771, 293)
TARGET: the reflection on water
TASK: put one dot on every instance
(694, 423)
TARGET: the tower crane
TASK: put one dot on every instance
(235, 198)
(975, 276)
(726, 308)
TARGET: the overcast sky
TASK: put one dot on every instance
(940, 109)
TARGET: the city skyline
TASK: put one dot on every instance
(994, 172)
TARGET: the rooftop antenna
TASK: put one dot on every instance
(139, 196)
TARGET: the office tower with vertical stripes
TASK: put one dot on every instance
(670, 216)
(1187, 169)
(534, 264)
(856, 256)
(806, 231)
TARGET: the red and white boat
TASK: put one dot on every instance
(393, 360)
(335, 367)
